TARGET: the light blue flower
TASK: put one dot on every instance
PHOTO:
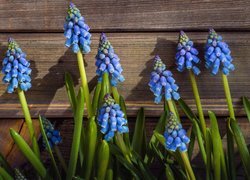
(175, 135)
(16, 68)
(108, 61)
(162, 82)
(53, 135)
(76, 31)
(218, 54)
(186, 56)
(111, 118)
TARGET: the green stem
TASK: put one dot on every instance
(116, 94)
(198, 102)
(172, 108)
(228, 96)
(187, 165)
(60, 158)
(28, 121)
(84, 82)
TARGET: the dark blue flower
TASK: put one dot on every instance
(186, 56)
(53, 135)
(108, 61)
(162, 83)
(16, 68)
(76, 31)
(218, 54)
(111, 118)
(175, 135)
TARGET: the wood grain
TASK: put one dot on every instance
(50, 60)
(123, 15)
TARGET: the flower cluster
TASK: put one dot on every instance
(162, 83)
(111, 118)
(76, 31)
(175, 135)
(53, 135)
(16, 68)
(186, 56)
(108, 61)
(217, 54)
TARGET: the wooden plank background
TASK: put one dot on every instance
(138, 30)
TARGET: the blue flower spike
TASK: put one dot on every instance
(162, 82)
(111, 118)
(16, 68)
(108, 61)
(217, 54)
(53, 135)
(76, 31)
(175, 136)
(186, 56)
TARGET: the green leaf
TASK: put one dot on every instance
(5, 164)
(48, 148)
(70, 91)
(138, 140)
(246, 104)
(105, 88)
(103, 160)
(169, 173)
(28, 153)
(90, 145)
(124, 110)
(76, 135)
(189, 113)
(218, 154)
(96, 97)
(209, 153)
(160, 138)
(160, 127)
(5, 174)
(191, 143)
(242, 147)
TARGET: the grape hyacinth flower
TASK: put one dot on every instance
(218, 54)
(186, 56)
(108, 61)
(111, 118)
(16, 68)
(53, 135)
(76, 31)
(162, 83)
(175, 135)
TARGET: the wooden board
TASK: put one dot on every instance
(123, 15)
(50, 60)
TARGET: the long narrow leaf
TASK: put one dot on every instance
(242, 147)
(76, 135)
(5, 164)
(90, 145)
(70, 91)
(96, 97)
(5, 174)
(28, 153)
(103, 160)
(191, 143)
(137, 141)
(124, 110)
(48, 148)
(189, 113)
(246, 104)
(208, 152)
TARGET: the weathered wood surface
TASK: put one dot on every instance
(50, 60)
(123, 15)
(7, 145)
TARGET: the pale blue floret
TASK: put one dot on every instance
(187, 56)
(217, 54)
(175, 135)
(16, 68)
(76, 31)
(108, 61)
(162, 84)
(111, 119)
